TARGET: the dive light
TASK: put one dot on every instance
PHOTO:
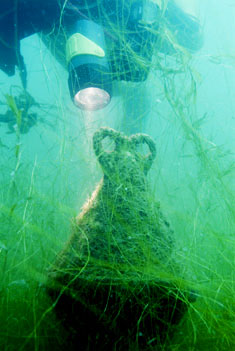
(92, 69)
(89, 81)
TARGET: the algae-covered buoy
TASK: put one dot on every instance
(113, 281)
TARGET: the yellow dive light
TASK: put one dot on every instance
(89, 80)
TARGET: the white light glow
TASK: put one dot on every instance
(91, 99)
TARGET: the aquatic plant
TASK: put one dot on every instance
(40, 192)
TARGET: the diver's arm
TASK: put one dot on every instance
(182, 20)
(191, 7)
(20, 19)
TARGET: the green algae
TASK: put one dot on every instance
(35, 217)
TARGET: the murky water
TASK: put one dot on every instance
(47, 172)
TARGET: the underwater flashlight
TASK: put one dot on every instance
(91, 98)
(90, 83)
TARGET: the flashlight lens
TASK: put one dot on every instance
(91, 99)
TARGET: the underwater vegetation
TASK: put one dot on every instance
(19, 116)
(106, 277)
(46, 177)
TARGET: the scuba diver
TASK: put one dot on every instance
(98, 40)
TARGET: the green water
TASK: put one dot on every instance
(47, 174)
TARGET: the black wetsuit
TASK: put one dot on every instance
(22, 18)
